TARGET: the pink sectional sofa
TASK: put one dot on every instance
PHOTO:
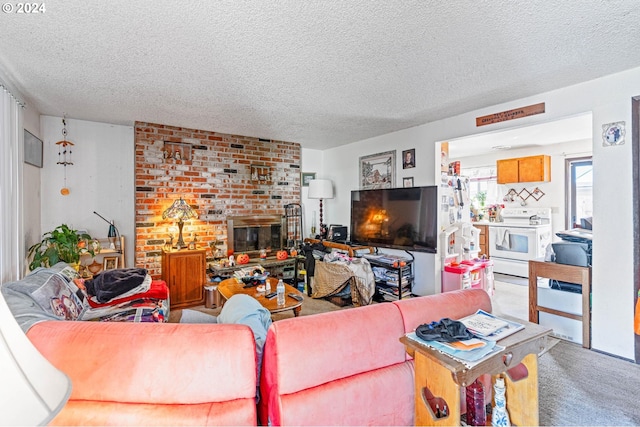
(348, 367)
(340, 368)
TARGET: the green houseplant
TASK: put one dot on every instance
(61, 244)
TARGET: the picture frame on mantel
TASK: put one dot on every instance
(378, 170)
(32, 149)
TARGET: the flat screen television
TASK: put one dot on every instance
(398, 218)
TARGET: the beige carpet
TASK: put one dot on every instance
(309, 306)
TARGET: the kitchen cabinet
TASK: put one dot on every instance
(524, 169)
(483, 240)
(185, 274)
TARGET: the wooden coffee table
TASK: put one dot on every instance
(230, 287)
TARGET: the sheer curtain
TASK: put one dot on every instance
(11, 157)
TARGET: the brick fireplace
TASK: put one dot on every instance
(220, 175)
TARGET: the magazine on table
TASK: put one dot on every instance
(469, 352)
(490, 327)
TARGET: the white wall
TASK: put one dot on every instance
(101, 179)
(609, 100)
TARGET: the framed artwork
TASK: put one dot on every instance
(613, 134)
(407, 182)
(32, 149)
(378, 170)
(110, 263)
(306, 177)
(409, 159)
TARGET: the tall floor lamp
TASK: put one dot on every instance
(321, 189)
(32, 390)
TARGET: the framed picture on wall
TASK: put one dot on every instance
(407, 182)
(409, 159)
(306, 177)
(378, 170)
(32, 149)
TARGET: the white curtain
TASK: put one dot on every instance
(11, 157)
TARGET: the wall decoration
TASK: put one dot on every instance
(378, 170)
(407, 182)
(176, 151)
(32, 149)
(613, 134)
(306, 177)
(409, 159)
(110, 263)
(260, 174)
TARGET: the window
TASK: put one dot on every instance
(482, 180)
(579, 190)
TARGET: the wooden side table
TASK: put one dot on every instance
(564, 273)
(440, 376)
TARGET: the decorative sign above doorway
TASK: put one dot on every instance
(516, 113)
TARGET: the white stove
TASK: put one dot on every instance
(523, 235)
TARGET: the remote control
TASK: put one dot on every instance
(294, 296)
(271, 295)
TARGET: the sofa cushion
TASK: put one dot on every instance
(306, 351)
(355, 347)
(159, 363)
(380, 397)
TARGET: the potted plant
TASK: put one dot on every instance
(61, 244)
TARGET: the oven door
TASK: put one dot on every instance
(517, 243)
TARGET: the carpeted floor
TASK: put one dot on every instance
(580, 387)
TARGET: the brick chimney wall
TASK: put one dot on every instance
(213, 174)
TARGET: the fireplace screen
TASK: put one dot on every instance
(249, 234)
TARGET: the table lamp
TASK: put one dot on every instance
(321, 189)
(180, 210)
(33, 391)
(112, 234)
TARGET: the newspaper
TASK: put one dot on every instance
(490, 327)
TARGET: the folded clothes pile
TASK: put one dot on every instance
(126, 294)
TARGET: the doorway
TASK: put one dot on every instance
(562, 139)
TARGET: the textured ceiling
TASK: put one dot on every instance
(321, 73)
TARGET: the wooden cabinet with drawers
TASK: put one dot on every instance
(524, 169)
(185, 274)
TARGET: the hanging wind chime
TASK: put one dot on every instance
(64, 155)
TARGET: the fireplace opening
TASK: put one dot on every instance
(250, 234)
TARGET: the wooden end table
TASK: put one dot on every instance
(439, 376)
(230, 287)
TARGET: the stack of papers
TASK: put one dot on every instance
(468, 352)
(489, 327)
